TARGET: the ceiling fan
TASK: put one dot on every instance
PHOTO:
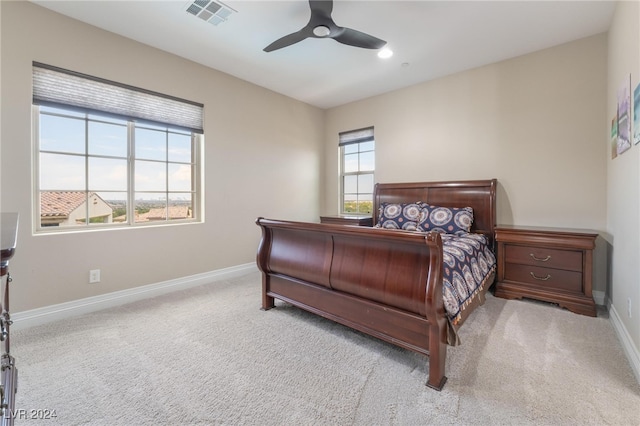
(321, 25)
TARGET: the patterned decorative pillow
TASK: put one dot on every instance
(406, 216)
(448, 220)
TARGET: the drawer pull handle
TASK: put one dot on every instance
(548, 277)
(533, 256)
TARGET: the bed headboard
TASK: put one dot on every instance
(477, 194)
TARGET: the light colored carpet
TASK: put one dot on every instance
(209, 356)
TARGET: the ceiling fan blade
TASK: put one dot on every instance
(321, 8)
(358, 39)
(287, 40)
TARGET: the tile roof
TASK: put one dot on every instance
(160, 213)
(60, 203)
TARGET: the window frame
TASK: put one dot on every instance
(196, 192)
(349, 138)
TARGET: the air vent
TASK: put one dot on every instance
(211, 11)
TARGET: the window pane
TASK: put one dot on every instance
(150, 206)
(107, 174)
(63, 172)
(351, 148)
(99, 210)
(180, 206)
(367, 161)
(150, 176)
(179, 177)
(366, 146)
(365, 183)
(180, 148)
(107, 139)
(62, 134)
(364, 198)
(350, 203)
(62, 208)
(151, 144)
(350, 184)
(118, 203)
(350, 163)
(365, 203)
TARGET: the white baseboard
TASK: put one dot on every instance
(633, 355)
(51, 313)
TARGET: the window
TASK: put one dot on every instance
(99, 168)
(357, 166)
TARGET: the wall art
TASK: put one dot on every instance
(636, 114)
(624, 119)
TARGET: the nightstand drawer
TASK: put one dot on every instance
(556, 279)
(544, 257)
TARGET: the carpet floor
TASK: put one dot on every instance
(209, 356)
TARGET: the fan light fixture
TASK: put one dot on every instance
(321, 31)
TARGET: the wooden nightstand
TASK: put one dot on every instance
(347, 220)
(550, 264)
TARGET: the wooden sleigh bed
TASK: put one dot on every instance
(386, 283)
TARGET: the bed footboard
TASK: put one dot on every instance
(385, 283)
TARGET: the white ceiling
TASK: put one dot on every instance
(430, 39)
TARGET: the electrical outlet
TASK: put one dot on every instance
(94, 276)
(629, 307)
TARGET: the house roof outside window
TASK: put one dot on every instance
(64, 208)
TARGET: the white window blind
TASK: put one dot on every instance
(55, 86)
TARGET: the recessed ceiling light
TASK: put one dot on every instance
(385, 53)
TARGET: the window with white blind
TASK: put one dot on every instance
(357, 167)
(111, 155)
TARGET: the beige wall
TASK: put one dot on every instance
(623, 175)
(261, 156)
(533, 122)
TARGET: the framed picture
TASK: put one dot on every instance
(624, 116)
(614, 136)
(636, 114)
